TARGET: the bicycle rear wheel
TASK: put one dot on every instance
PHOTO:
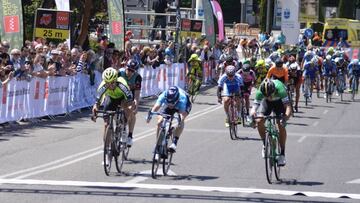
(167, 163)
(108, 152)
(269, 163)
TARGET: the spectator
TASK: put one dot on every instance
(104, 41)
(153, 59)
(205, 54)
(128, 46)
(160, 6)
(38, 67)
(136, 55)
(5, 46)
(15, 59)
(24, 54)
(161, 52)
(129, 35)
(144, 55)
(5, 76)
(116, 60)
(316, 40)
(54, 61)
(169, 53)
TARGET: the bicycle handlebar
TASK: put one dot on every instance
(166, 116)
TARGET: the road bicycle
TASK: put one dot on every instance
(330, 88)
(341, 84)
(233, 117)
(162, 153)
(193, 89)
(307, 89)
(354, 86)
(115, 142)
(290, 93)
(272, 147)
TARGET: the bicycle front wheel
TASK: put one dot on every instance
(232, 127)
(269, 163)
(276, 153)
(108, 152)
(167, 163)
(157, 154)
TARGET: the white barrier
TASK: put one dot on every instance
(58, 95)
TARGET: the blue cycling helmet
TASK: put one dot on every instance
(132, 65)
(172, 95)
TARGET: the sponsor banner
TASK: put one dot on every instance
(116, 22)
(191, 28)
(52, 24)
(289, 21)
(58, 95)
(219, 16)
(209, 22)
(11, 25)
(62, 5)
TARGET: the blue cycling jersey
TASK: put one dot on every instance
(310, 70)
(181, 105)
(329, 68)
(230, 86)
(354, 69)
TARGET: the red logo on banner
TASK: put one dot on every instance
(45, 19)
(4, 94)
(37, 90)
(62, 18)
(116, 27)
(11, 24)
(46, 95)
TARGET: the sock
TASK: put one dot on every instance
(282, 152)
(130, 135)
(263, 141)
(175, 140)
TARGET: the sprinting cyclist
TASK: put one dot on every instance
(329, 70)
(113, 91)
(195, 74)
(249, 79)
(172, 100)
(295, 79)
(228, 84)
(133, 79)
(354, 73)
(311, 70)
(279, 71)
(272, 97)
(260, 71)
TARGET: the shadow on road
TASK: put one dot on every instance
(295, 182)
(129, 193)
(298, 124)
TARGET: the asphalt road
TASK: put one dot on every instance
(61, 160)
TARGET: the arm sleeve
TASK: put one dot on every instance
(161, 99)
(138, 81)
(127, 92)
(100, 94)
(269, 73)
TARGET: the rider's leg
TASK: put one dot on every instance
(247, 101)
(226, 102)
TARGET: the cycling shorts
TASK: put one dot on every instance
(267, 107)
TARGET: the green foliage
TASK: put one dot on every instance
(185, 3)
(263, 4)
(346, 9)
(29, 17)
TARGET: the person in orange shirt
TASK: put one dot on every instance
(279, 71)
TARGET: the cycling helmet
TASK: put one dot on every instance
(246, 61)
(172, 95)
(110, 75)
(355, 61)
(246, 68)
(132, 65)
(279, 63)
(293, 67)
(230, 71)
(331, 50)
(229, 59)
(194, 57)
(260, 63)
(267, 87)
(328, 58)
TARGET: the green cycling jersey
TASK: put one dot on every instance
(279, 94)
(195, 71)
(121, 91)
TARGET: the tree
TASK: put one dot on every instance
(346, 9)
(263, 5)
(87, 6)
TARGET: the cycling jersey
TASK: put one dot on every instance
(329, 68)
(354, 69)
(310, 70)
(134, 81)
(278, 73)
(279, 94)
(230, 86)
(121, 91)
(248, 79)
(195, 71)
(183, 105)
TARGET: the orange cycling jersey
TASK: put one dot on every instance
(278, 73)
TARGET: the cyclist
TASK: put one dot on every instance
(330, 51)
(279, 71)
(249, 79)
(354, 73)
(195, 73)
(272, 97)
(229, 61)
(329, 70)
(341, 66)
(311, 70)
(133, 79)
(114, 91)
(172, 100)
(295, 79)
(228, 84)
(260, 71)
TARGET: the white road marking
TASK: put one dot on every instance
(356, 181)
(302, 139)
(316, 123)
(325, 111)
(144, 175)
(178, 187)
(46, 167)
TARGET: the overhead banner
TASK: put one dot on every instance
(116, 22)
(220, 19)
(290, 25)
(191, 28)
(209, 22)
(52, 24)
(309, 11)
(11, 26)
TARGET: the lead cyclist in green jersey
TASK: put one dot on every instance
(272, 97)
(113, 91)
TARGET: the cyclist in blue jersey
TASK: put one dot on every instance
(229, 83)
(329, 70)
(354, 72)
(311, 70)
(172, 100)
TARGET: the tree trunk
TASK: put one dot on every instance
(48, 4)
(84, 27)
